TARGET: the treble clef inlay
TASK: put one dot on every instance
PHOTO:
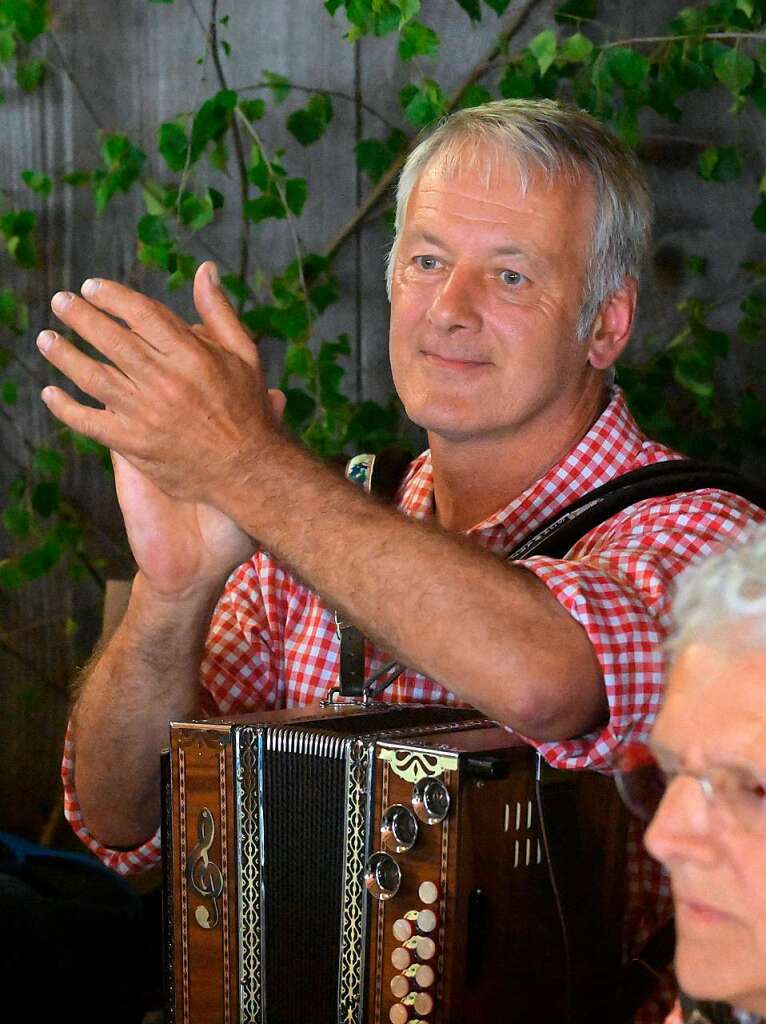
(204, 874)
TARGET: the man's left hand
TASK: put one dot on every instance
(186, 406)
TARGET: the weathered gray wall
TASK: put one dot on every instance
(134, 63)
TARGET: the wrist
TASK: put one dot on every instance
(202, 594)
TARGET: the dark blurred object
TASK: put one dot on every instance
(80, 942)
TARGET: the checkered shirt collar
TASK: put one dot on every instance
(613, 446)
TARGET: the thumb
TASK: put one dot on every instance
(278, 401)
(219, 320)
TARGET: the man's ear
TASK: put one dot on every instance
(611, 329)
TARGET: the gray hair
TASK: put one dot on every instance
(723, 597)
(542, 135)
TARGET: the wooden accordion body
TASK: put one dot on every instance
(383, 865)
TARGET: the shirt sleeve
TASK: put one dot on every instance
(239, 673)
(617, 583)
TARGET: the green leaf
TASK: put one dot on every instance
(152, 230)
(543, 48)
(299, 362)
(7, 45)
(37, 563)
(735, 69)
(38, 182)
(576, 10)
(8, 392)
(407, 8)
(234, 284)
(278, 85)
(577, 48)
(173, 145)
(498, 6)
(293, 321)
(49, 462)
(627, 66)
(425, 105)
(517, 82)
(299, 408)
(253, 109)
(14, 316)
(375, 156)
(30, 74)
(263, 208)
(46, 497)
(759, 216)
(195, 212)
(474, 96)
(212, 121)
(31, 17)
(77, 178)
(696, 266)
(308, 124)
(417, 40)
(720, 163)
(11, 577)
(17, 520)
(123, 162)
(296, 192)
(472, 8)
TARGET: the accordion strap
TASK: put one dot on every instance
(381, 475)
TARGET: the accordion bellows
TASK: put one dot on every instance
(383, 865)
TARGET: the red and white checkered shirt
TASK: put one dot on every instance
(273, 642)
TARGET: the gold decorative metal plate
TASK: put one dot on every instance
(414, 765)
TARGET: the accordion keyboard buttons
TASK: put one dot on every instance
(399, 986)
(382, 876)
(426, 921)
(428, 892)
(399, 828)
(424, 976)
(401, 958)
(423, 1003)
(425, 947)
(401, 930)
(398, 1014)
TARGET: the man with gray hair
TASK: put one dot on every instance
(521, 228)
(707, 785)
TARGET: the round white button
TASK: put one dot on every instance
(424, 976)
(428, 892)
(399, 986)
(426, 920)
(401, 958)
(401, 929)
(425, 947)
(398, 1014)
(423, 1003)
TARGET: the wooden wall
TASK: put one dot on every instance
(128, 65)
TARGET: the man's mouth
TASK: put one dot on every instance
(449, 361)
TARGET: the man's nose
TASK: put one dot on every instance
(682, 829)
(456, 304)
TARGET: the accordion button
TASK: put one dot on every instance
(428, 892)
(425, 947)
(423, 1004)
(398, 1014)
(425, 976)
(426, 921)
(399, 986)
(401, 958)
(382, 876)
(399, 828)
(401, 929)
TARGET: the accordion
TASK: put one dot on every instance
(384, 864)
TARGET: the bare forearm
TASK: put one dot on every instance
(146, 676)
(487, 630)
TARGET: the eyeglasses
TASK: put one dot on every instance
(642, 783)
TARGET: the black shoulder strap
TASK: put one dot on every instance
(382, 473)
(560, 533)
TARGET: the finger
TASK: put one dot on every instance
(98, 424)
(102, 382)
(220, 321)
(121, 346)
(278, 401)
(159, 326)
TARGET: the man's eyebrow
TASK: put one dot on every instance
(500, 250)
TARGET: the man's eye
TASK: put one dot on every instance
(511, 277)
(426, 262)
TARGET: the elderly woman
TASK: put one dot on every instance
(709, 744)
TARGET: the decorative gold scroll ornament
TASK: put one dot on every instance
(414, 765)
